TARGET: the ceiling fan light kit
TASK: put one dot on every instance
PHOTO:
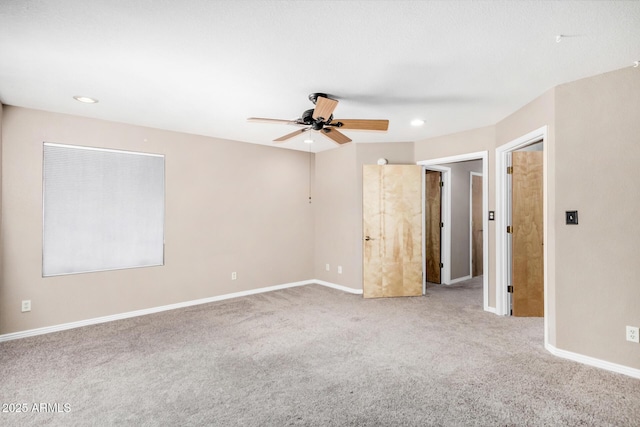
(85, 99)
(320, 119)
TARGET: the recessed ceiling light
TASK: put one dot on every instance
(417, 122)
(85, 99)
(308, 141)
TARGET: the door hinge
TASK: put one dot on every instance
(441, 183)
(509, 229)
(510, 289)
(441, 224)
(509, 170)
(441, 265)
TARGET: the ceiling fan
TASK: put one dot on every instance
(321, 119)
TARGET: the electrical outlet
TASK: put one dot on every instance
(339, 269)
(26, 305)
(633, 334)
(326, 267)
(234, 276)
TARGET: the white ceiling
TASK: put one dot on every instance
(203, 67)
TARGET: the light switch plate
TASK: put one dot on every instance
(572, 217)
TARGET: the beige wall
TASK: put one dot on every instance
(597, 156)
(230, 206)
(538, 113)
(455, 144)
(592, 151)
(240, 207)
(337, 226)
(473, 141)
(1, 246)
(338, 207)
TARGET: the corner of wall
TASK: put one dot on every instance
(334, 220)
(596, 172)
(1, 117)
(1, 222)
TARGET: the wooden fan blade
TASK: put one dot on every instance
(335, 135)
(276, 121)
(358, 124)
(324, 108)
(291, 135)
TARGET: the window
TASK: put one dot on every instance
(102, 209)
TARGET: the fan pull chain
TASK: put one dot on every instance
(310, 162)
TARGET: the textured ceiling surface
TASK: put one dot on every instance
(203, 67)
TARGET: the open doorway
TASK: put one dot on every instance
(526, 231)
(456, 224)
(433, 226)
(475, 227)
(521, 227)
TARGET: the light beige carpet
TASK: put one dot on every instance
(312, 356)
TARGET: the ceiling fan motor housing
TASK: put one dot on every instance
(313, 119)
(313, 97)
(316, 124)
(307, 117)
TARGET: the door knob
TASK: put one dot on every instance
(367, 238)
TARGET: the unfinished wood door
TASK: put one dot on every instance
(433, 225)
(392, 230)
(527, 237)
(476, 226)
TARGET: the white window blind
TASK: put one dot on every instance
(102, 209)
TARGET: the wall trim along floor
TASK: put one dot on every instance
(602, 364)
(103, 319)
(592, 361)
(459, 279)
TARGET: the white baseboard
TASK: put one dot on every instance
(129, 314)
(490, 309)
(592, 361)
(338, 287)
(459, 279)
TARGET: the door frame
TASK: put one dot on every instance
(445, 217)
(424, 227)
(471, 175)
(434, 164)
(502, 255)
